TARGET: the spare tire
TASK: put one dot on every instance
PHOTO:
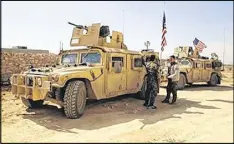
(104, 31)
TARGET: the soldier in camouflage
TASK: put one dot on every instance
(151, 91)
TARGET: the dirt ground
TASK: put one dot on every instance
(201, 114)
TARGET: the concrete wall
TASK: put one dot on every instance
(18, 60)
(24, 50)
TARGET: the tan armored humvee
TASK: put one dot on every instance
(195, 68)
(100, 70)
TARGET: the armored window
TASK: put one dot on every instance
(208, 65)
(198, 65)
(184, 62)
(138, 62)
(69, 58)
(117, 59)
(92, 57)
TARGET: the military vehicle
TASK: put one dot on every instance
(99, 70)
(195, 68)
(164, 71)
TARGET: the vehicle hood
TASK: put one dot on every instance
(60, 70)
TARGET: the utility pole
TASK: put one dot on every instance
(123, 21)
(223, 47)
(59, 45)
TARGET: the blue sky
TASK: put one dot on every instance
(42, 25)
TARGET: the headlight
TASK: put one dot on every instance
(39, 81)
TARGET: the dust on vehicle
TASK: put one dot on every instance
(101, 69)
(195, 68)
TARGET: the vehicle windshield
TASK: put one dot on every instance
(91, 57)
(69, 59)
(185, 62)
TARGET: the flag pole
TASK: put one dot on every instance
(161, 46)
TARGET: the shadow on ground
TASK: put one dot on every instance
(205, 87)
(104, 113)
(218, 100)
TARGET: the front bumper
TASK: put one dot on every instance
(27, 86)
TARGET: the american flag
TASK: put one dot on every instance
(164, 31)
(199, 44)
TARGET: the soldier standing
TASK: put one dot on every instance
(151, 91)
(173, 78)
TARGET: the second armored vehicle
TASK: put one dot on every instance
(195, 68)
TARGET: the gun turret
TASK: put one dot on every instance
(96, 35)
(79, 26)
(186, 51)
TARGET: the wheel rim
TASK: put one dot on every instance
(80, 100)
(181, 81)
(214, 79)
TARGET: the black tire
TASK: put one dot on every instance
(190, 84)
(142, 92)
(32, 104)
(75, 99)
(181, 82)
(59, 94)
(213, 80)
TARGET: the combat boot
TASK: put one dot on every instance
(151, 107)
(174, 99)
(165, 100)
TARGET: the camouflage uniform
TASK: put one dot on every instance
(151, 92)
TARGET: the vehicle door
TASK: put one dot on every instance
(197, 71)
(135, 72)
(187, 67)
(116, 77)
(207, 71)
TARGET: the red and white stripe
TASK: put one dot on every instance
(200, 46)
(164, 41)
(164, 31)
